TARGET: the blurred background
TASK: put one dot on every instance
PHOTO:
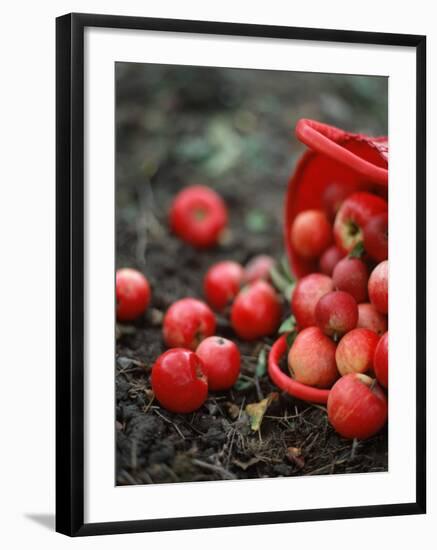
(233, 130)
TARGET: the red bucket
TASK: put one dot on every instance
(357, 161)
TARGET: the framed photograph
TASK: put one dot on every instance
(228, 352)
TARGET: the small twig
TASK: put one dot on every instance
(326, 467)
(149, 404)
(225, 474)
(169, 422)
(128, 477)
(354, 448)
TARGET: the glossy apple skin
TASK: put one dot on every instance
(132, 292)
(221, 360)
(380, 361)
(187, 322)
(256, 311)
(352, 217)
(336, 313)
(378, 287)
(179, 381)
(369, 317)
(357, 406)
(311, 233)
(355, 351)
(375, 237)
(329, 259)
(257, 268)
(351, 275)
(198, 216)
(306, 294)
(222, 283)
(311, 359)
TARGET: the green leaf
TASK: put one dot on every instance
(282, 284)
(286, 269)
(243, 384)
(256, 221)
(357, 251)
(261, 366)
(289, 325)
(290, 338)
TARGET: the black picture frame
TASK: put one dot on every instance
(70, 273)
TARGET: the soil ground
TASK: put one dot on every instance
(232, 130)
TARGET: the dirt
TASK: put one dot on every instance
(231, 130)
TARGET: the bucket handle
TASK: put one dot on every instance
(324, 139)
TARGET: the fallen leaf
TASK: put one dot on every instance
(261, 366)
(289, 325)
(256, 411)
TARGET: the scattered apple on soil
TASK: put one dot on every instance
(132, 292)
(222, 283)
(355, 351)
(221, 360)
(370, 318)
(378, 287)
(187, 322)
(351, 275)
(311, 233)
(256, 311)
(179, 381)
(357, 406)
(380, 361)
(336, 313)
(198, 216)
(352, 217)
(311, 358)
(306, 294)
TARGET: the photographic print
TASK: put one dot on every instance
(251, 283)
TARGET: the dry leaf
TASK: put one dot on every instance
(256, 411)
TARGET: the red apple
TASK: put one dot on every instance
(375, 237)
(357, 406)
(352, 217)
(378, 287)
(311, 359)
(351, 275)
(336, 313)
(257, 268)
(306, 294)
(355, 351)
(311, 233)
(256, 311)
(221, 361)
(333, 196)
(329, 259)
(380, 361)
(222, 283)
(370, 318)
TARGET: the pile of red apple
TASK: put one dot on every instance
(341, 311)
